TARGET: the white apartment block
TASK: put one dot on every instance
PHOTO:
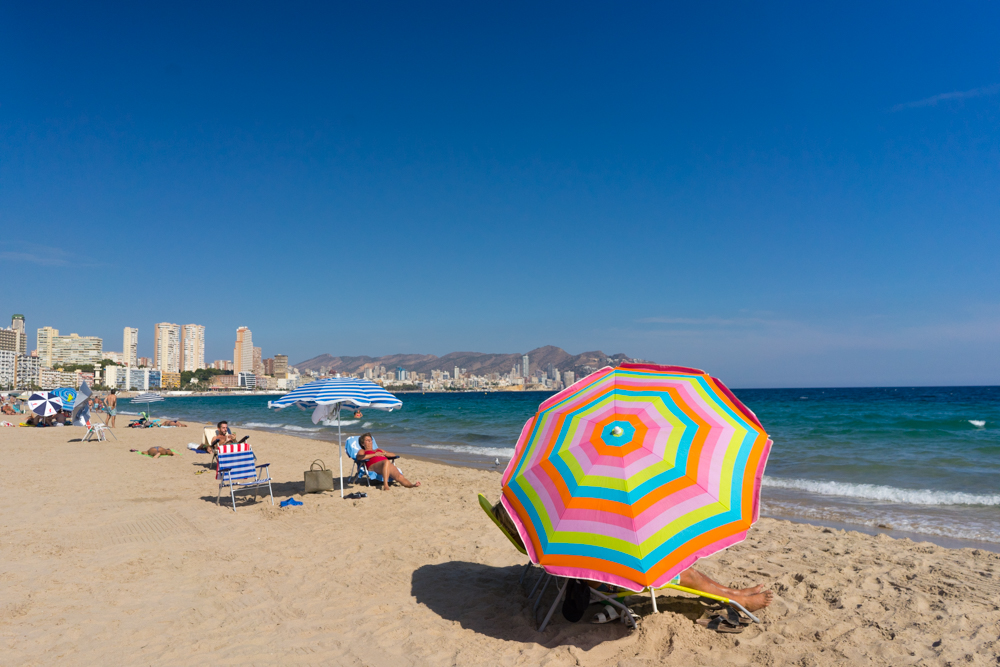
(167, 347)
(192, 347)
(130, 347)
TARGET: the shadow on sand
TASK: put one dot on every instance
(489, 600)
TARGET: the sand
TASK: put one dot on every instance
(111, 558)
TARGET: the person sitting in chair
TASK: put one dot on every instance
(752, 598)
(378, 461)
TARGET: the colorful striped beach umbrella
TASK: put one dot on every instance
(633, 473)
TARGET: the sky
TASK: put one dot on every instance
(782, 194)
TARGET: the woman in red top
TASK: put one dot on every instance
(377, 461)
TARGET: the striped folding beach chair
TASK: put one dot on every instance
(239, 471)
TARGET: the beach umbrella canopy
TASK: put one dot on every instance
(44, 403)
(354, 392)
(147, 398)
(633, 473)
(329, 395)
(67, 395)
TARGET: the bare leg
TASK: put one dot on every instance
(752, 598)
(389, 471)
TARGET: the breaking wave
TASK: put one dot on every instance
(506, 452)
(889, 494)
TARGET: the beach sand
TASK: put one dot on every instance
(112, 558)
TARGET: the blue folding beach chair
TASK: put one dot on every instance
(238, 471)
(360, 470)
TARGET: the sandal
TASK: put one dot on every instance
(720, 623)
(606, 615)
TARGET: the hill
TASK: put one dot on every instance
(477, 363)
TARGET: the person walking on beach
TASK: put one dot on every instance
(111, 407)
(378, 462)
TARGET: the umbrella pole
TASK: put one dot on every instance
(652, 594)
(340, 449)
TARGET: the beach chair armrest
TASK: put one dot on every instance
(224, 469)
(263, 465)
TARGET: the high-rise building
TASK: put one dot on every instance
(145, 362)
(11, 341)
(17, 324)
(281, 366)
(568, 378)
(258, 361)
(75, 349)
(222, 364)
(167, 347)
(458, 373)
(524, 366)
(130, 346)
(44, 340)
(243, 351)
(192, 347)
(55, 350)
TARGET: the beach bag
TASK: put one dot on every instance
(318, 477)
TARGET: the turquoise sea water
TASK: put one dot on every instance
(919, 460)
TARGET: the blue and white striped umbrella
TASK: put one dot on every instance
(346, 391)
(330, 394)
(44, 403)
(148, 397)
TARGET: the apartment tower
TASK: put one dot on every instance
(281, 366)
(192, 347)
(243, 351)
(130, 347)
(167, 347)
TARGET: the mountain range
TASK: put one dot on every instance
(476, 363)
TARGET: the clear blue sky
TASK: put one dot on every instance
(782, 194)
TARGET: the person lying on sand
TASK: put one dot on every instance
(378, 461)
(171, 422)
(752, 598)
(156, 452)
(7, 410)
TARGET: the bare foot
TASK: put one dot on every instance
(416, 484)
(754, 601)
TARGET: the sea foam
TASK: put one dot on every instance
(889, 494)
(506, 452)
(978, 423)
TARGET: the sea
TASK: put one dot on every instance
(921, 462)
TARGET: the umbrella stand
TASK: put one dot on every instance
(340, 450)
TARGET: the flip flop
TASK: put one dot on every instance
(606, 615)
(720, 624)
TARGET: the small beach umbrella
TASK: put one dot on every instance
(67, 395)
(329, 395)
(44, 403)
(633, 473)
(147, 398)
